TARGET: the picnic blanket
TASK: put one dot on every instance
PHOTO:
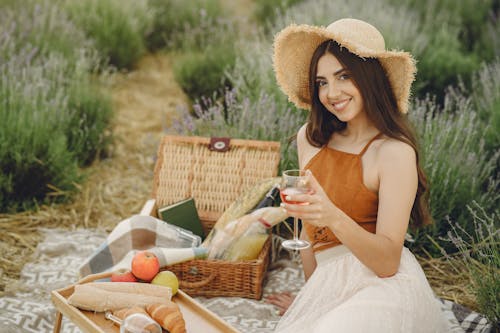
(58, 259)
(141, 232)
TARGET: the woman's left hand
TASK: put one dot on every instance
(319, 210)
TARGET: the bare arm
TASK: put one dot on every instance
(308, 259)
(381, 252)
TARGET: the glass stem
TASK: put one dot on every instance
(295, 228)
(108, 315)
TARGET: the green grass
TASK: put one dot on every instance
(480, 253)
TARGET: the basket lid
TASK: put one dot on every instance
(188, 167)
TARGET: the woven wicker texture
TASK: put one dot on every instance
(211, 278)
(186, 167)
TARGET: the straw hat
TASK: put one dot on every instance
(295, 45)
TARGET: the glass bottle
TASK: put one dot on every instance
(270, 199)
(250, 243)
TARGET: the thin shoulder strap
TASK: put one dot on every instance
(369, 143)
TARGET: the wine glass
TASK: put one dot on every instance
(294, 182)
(135, 323)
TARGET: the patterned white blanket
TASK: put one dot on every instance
(61, 254)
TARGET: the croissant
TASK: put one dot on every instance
(124, 313)
(168, 315)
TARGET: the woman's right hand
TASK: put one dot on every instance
(281, 300)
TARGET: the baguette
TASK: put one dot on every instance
(91, 298)
(134, 288)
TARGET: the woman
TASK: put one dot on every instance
(365, 180)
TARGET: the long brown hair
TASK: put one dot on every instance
(380, 106)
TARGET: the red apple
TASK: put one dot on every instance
(123, 275)
(145, 265)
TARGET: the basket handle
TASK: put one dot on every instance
(199, 284)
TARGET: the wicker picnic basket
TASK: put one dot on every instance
(214, 172)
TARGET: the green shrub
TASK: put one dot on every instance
(457, 163)
(470, 18)
(204, 42)
(52, 112)
(461, 35)
(176, 23)
(253, 70)
(443, 64)
(90, 112)
(486, 100)
(203, 73)
(265, 11)
(480, 253)
(118, 28)
(34, 158)
(399, 25)
(42, 27)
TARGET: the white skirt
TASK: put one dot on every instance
(343, 295)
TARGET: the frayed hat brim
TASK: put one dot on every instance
(295, 45)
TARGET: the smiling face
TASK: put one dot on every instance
(336, 89)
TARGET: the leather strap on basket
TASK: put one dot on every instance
(219, 144)
(198, 284)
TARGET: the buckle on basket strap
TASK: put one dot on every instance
(219, 144)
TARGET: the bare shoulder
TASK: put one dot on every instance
(302, 142)
(301, 134)
(305, 150)
(396, 153)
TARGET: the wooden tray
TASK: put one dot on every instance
(197, 317)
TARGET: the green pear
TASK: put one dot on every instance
(167, 279)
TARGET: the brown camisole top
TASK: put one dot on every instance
(341, 176)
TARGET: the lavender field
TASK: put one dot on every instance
(88, 87)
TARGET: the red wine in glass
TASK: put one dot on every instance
(292, 191)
